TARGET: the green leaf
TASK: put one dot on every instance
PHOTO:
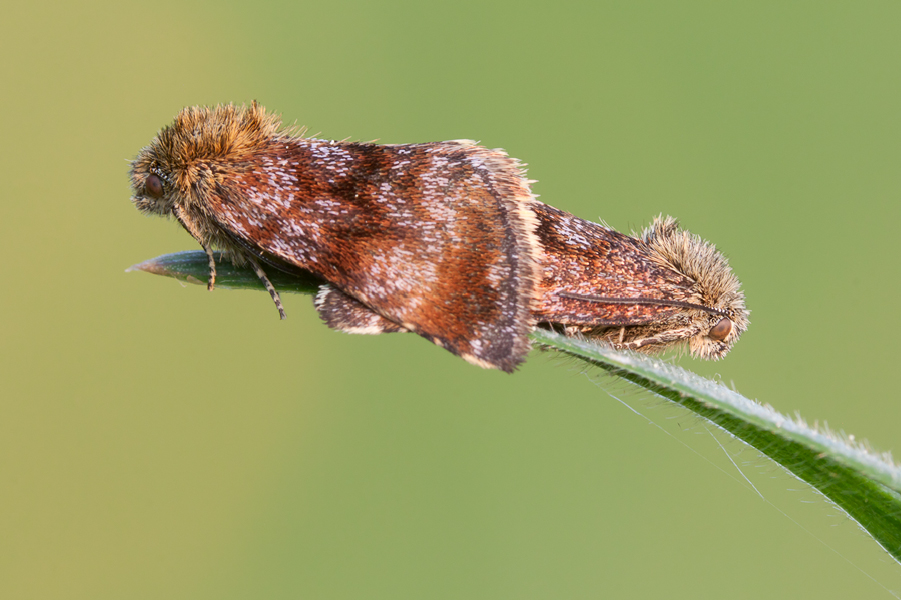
(866, 485)
(193, 267)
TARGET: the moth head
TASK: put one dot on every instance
(190, 158)
(720, 316)
(152, 189)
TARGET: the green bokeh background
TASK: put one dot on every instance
(158, 441)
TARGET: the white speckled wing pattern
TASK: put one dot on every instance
(436, 238)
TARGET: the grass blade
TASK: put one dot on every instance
(866, 485)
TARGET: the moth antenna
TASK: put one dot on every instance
(269, 287)
(645, 301)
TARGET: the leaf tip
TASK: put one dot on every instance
(149, 266)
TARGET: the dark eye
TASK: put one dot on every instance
(153, 185)
(721, 330)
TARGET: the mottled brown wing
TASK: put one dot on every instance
(343, 313)
(592, 260)
(436, 238)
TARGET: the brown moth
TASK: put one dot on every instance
(664, 288)
(437, 238)
(442, 239)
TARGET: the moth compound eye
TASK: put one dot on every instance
(721, 330)
(153, 185)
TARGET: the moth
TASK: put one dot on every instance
(442, 239)
(648, 293)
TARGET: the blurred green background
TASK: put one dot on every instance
(159, 441)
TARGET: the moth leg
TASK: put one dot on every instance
(341, 312)
(212, 280)
(269, 287)
(663, 338)
(188, 224)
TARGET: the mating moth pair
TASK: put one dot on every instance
(443, 239)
